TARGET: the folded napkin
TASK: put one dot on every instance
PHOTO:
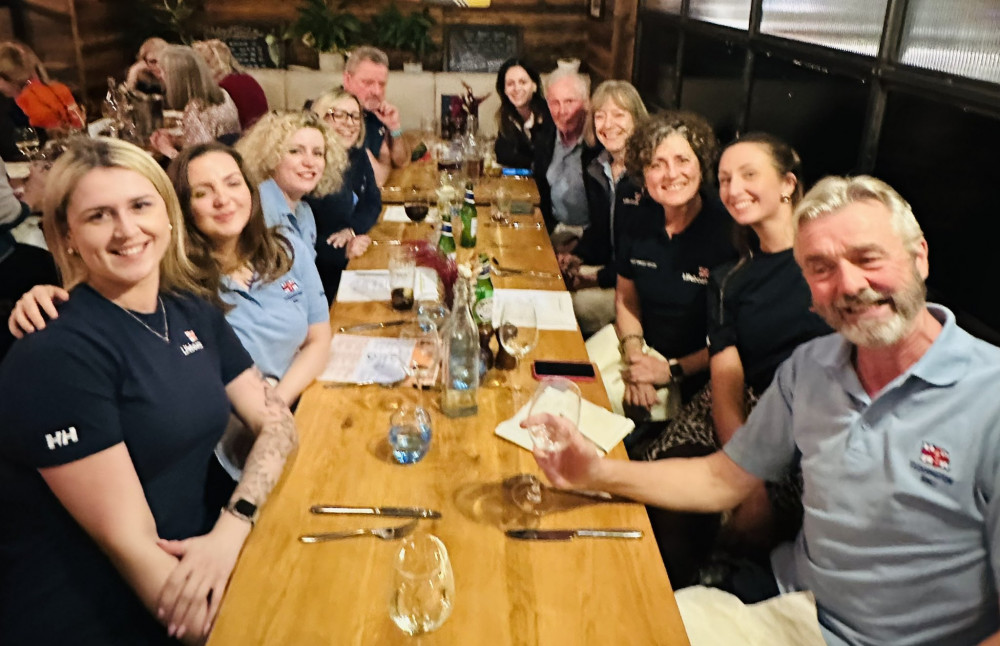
(365, 285)
(600, 426)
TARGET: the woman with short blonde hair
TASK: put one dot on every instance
(246, 92)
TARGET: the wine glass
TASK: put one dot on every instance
(501, 205)
(518, 333)
(27, 142)
(423, 585)
(416, 205)
(559, 397)
(423, 367)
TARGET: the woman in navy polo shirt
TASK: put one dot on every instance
(109, 420)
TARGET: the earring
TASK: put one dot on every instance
(785, 199)
(170, 227)
(70, 251)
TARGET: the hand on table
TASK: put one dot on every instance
(33, 309)
(573, 466)
(190, 599)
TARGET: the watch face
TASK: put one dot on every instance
(245, 507)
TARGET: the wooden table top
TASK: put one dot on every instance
(424, 175)
(506, 591)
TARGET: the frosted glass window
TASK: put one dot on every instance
(666, 6)
(728, 13)
(959, 36)
(849, 25)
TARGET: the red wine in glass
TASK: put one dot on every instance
(416, 211)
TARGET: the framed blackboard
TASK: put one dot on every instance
(480, 48)
(249, 45)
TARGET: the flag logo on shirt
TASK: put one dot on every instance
(934, 456)
(290, 286)
(192, 337)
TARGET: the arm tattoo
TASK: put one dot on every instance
(276, 439)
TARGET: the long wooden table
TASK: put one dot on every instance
(423, 175)
(506, 591)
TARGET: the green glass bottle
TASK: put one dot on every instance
(446, 243)
(470, 221)
(482, 311)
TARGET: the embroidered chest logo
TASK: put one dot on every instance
(634, 200)
(193, 345)
(934, 464)
(639, 262)
(701, 278)
(61, 438)
(289, 286)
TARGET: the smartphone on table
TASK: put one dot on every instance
(573, 370)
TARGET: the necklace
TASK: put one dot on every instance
(165, 337)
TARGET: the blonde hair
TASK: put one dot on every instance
(151, 46)
(83, 155)
(263, 147)
(186, 77)
(218, 57)
(18, 64)
(325, 101)
(834, 193)
(621, 93)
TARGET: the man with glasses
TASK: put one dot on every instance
(365, 76)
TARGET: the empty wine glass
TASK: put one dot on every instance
(501, 206)
(27, 142)
(426, 357)
(518, 334)
(423, 586)
(559, 397)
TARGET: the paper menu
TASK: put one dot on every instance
(553, 308)
(373, 285)
(367, 359)
(602, 427)
(395, 213)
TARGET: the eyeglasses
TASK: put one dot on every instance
(342, 116)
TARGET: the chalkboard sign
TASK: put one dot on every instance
(249, 46)
(481, 48)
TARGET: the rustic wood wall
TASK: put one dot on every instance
(552, 29)
(611, 41)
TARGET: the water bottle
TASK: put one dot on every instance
(470, 219)
(459, 396)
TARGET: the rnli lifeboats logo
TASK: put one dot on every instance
(193, 344)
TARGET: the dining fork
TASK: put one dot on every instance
(385, 533)
(500, 270)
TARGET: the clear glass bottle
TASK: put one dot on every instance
(472, 150)
(460, 386)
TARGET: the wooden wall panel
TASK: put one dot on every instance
(611, 40)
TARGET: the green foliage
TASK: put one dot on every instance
(173, 20)
(326, 27)
(392, 29)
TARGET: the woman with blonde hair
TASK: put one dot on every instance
(208, 111)
(246, 92)
(344, 217)
(47, 104)
(291, 155)
(110, 418)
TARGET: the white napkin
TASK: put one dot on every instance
(600, 426)
(395, 213)
(373, 285)
(553, 308)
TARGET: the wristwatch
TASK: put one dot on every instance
(676, 370)
(244, 510)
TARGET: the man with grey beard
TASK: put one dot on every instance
(896, 422)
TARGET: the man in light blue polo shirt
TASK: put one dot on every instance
(897, 423)
(301, 222)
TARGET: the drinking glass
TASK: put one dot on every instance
(416, 205)
(426, 357)
(518, 333)
(423, 586)
(501, 205)
(27, 142)
(402, 276)
(409, 434)
(557, 396)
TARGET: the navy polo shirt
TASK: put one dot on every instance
(671, 273)
(94, 378)
(375, 132)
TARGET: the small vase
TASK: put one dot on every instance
(331, 62)
(569, 64)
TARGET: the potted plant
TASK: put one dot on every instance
(405, 34)
(325, 26)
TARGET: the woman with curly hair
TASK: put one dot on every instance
(523, 114)
(209, 111)
(291, 155)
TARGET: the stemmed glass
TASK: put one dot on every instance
(518, 334)
(423, 366)
(559, 397)
(27, 142)
(423, 585)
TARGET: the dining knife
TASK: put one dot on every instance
(394, 512)
(568, 534)
(364, 327)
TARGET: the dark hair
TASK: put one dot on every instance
(268, 252)
(648, 135)
(508, 118)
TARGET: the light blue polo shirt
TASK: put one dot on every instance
(565, 177)
(900, 541)
(273, 319)
(301, 222)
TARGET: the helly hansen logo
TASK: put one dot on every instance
(61, 438)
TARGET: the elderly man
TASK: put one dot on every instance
(365, 76)
(898, 430)
(558, 167)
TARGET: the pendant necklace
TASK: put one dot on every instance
(165, 337)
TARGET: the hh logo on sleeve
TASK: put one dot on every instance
(61, 438)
